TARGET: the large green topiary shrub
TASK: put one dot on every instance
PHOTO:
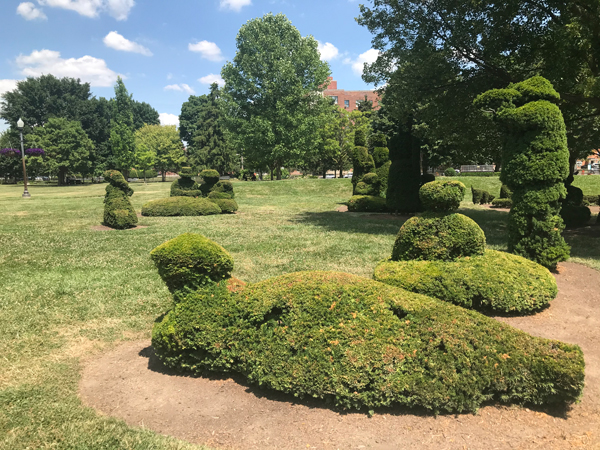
(118, 212)
(180, 206)
(226, 205)
(362, 162)
(185, 186)
(442, 196)
(495, 281)
(366, 203)
(481, 196)
(191, 261)
(535, 166)
(358, 343)
(404, 179)
(224, 188)
(210, 178)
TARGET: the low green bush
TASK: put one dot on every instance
(191, 261)
(118, 211)
(358, 343)
(481, 197)
(367, 203)
(495, 281)
(479, 174)
(227, 205)
(591, 200)
(502, 203)
(575, 216)
(438, 237)
(450, 172)
(224, 187)
(442, 195)
(180, 206)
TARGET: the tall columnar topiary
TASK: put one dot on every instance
(362, 162)
(185, 186)
(535, 166)
(381, 157)
(118, 212)
(404, 179)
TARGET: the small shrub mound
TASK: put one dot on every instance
(450, 172)
(358, 343)
(118, 212)
(180, 206)
(227, 205)
(191, 261)
(502, 203)
(441, 196)
(367, 203)
(495, 281)
(481, 197)
(438, 237)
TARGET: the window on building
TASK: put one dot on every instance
(346, 103)
(357, 103)
(335, 99)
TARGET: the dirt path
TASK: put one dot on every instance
(130, 383)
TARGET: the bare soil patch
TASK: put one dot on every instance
(105, 228)
(130, 383)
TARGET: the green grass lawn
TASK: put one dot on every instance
(68, 292)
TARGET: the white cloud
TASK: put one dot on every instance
(212, 78)
(328, 51)
(7, 85)
(235, 5)
(168, 119)
(30, 12)
(358, 65)
(208, 50)
(119, 9)
(180, 88)
(118, 42)
(87, 68)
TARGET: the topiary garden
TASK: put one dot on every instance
(350, 341)
(442, 254)
(118, 212)
(368, 178)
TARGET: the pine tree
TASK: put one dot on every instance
(122, 140)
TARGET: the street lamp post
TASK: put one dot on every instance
(20, 126)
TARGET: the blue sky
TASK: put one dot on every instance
(165, 50)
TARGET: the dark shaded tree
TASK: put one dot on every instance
(143, 114)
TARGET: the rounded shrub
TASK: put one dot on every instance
(442, 196)
(356, 343)
(434, 237)
(180, 206)
(495, 281)
(502, 203)
(449, 172)
(191, 261)
(118, 211)
(227, 205)
(224, 187)
(367, 203)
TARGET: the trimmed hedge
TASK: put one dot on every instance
(479, 174)
(591, 200)
(495, 281)
(191, 261)
(227, 205)
(118, 211)
(535, 166)
(438, 237)
(185, 187)
(367, 203)
(358, 343)
(223, 187)
(442, 196)
(481, 197)
(450, 172)
(180, 206)
(502, 203)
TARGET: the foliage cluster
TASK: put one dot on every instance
(442, 196)
(185, 186)
(180, 206)
(118, 211)
(366, 203)
(481, 196)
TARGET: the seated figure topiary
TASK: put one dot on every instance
(350, 341)
(118, 212)
(574, 212)
(210, 178)
(185, 186)
(444, 256)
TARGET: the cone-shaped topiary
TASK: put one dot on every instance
(185, 186)
(535, 165)
(118, 212)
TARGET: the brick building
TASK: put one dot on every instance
(349, 99)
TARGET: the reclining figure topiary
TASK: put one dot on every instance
(118, 212)
(442, 254)
(350, 341)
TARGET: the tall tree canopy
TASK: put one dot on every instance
(438, 55)
(273, 91)
(164, 142)
(202, 127)
(143, 114)
(122, 140)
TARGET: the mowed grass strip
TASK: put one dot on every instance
(68, 292)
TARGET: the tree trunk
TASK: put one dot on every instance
(324, 172)
(62, 174)
(271, 174)
(163, 174)
(278, 171)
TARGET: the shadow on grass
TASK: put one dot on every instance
(584, 242)
(493, 222)
(368, 223)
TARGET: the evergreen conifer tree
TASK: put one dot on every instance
(122, 140)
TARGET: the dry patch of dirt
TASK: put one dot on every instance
(130, 383)
(105, 228)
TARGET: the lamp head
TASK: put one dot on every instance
(20, 124)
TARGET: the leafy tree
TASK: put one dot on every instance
(273, 91)
(338, 139)
(10, 164)
(96, 124)
(66, 145)
(164, 142)
(144, 114)
(122, 141)
(144, 158)
(203, 130)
